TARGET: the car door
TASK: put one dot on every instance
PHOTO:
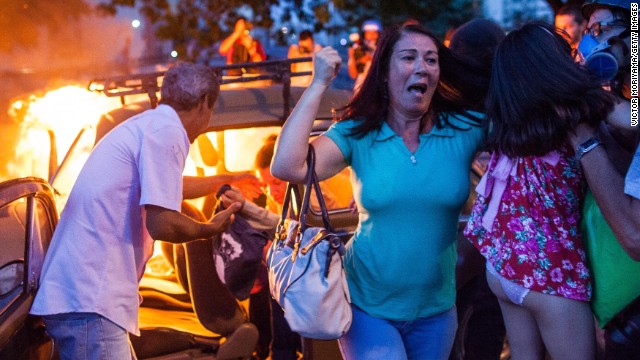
(28, 217)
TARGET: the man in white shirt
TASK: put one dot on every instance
(128, 194)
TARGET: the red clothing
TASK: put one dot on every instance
(533, 237)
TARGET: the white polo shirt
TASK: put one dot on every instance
(101, 245)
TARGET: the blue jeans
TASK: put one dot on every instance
(80, 336)
(421, 339)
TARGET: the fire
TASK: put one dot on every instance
(62, 112)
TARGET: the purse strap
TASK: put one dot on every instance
(311, 182)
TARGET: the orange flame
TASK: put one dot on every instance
(64, 111)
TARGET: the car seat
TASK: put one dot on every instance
(193, 316)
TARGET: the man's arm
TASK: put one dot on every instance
(227, 43)
(352, 64)
(256, 51)
(174, 227)
(258, 217)
(621, 211)
(197, 186)
(620, 115)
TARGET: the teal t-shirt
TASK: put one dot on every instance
(400, 263)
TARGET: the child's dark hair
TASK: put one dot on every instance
(538, 94)
(264, 155)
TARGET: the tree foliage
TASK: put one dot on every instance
(22, 20)
(194, 26)
(437, 15)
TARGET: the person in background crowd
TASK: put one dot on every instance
(608, 27)
(569, 19)
(526, 217)
(89, 292)
(612, 171)
(361, 52)
(620, 214)
(482, 336)
(241, 47)
(306, 47)
(410, 176)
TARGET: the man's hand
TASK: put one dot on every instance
(248, 184)
(248, 43)
(240, 27)
(224, 218)
(231, 196)
(366, 58)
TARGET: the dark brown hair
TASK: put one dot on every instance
(538, 94)
(370, 104)
(264, 155)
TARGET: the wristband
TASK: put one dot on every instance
(586, 146)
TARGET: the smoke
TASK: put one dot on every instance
(68, 43)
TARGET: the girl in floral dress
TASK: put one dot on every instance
(525, 221)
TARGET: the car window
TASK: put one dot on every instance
(13, 240)
(204, 157)
(66, 175)
(241, 146)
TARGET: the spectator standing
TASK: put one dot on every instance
(480, 336)
(128, 193)
(361, 52)
(526, 217)
(620, 214)
(613, 170)
(240, 47)
(306, 47)
(609, 27)
(410, 176)
(569, 19)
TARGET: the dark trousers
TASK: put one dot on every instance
(285, 343)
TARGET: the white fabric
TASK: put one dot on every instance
(100, 246)
(514, 292)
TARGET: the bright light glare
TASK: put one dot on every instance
(284, 30)
(174, 54)
(343, 41)
(64, 111)
(135, 23)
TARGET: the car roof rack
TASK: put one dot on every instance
(278, 71)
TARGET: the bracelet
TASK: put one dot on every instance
(586, 146)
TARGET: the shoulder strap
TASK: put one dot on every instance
(311, 182)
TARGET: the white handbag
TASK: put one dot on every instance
(306, 275)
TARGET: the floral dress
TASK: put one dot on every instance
(525, 222)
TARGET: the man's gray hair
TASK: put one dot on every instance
(186, 84)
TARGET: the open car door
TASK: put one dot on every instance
(28, 217)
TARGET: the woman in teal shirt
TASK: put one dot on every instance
(410, 176)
